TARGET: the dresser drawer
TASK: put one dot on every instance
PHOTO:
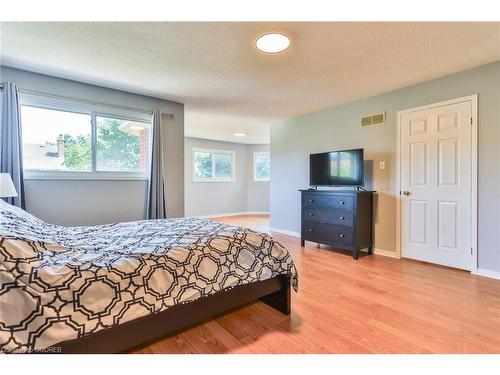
(325, 233)
(336, 217)
(345, 202)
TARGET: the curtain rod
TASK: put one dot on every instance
(22, 91)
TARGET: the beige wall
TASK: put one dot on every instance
(338, 128)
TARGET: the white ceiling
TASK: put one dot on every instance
(227, 85)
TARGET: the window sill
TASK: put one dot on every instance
(90, 176)
(217, 181)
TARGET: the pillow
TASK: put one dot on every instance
(12, 214)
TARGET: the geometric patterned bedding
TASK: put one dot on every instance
(61, 283)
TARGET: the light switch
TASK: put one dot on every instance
(381, 164)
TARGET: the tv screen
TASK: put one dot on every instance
(337, 168)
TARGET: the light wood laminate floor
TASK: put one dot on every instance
(373, 305)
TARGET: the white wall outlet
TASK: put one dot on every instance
(381, 164)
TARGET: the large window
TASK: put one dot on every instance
(261, 166)
(64, 140)
(213, 165)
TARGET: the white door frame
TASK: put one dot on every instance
(473, 99)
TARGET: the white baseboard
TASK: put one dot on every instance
(386, 253)
(231, 214)
(391, 254)
(284, 231)
(487, 273)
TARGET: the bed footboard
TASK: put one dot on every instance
(275, 292)
(281, 299)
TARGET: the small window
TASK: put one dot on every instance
(261, 166)
(213, 165)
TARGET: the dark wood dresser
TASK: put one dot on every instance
(339, 218)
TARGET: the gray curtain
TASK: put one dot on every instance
(156, 191)
(11, 160)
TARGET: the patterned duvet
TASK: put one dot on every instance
(60, 283)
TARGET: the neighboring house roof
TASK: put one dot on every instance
(44, 156)
(133, 128)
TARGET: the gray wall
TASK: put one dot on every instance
(257, 191)
(84, 202)
(174, 165)
(336, 128)
(78, 202)
(214, 198)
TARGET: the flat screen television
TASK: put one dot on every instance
(337, 168)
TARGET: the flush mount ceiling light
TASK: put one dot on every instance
(240, 134)
(272, 43)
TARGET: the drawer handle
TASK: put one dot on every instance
(341, 235)
(311, 200)
(310, 230)
(341, 218)
(342, 202)
(311, 214)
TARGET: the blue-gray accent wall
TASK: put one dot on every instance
(339, 128)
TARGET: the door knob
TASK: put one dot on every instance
(406, 192)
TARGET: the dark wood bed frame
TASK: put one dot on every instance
(274, 292)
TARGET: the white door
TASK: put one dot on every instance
(436, 184)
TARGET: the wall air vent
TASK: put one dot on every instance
(372, 120)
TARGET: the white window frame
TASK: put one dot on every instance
(255, 178)
(93, 110)
(214, 179)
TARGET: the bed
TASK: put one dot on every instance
(108, 288)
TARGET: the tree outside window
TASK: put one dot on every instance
(262, 166)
